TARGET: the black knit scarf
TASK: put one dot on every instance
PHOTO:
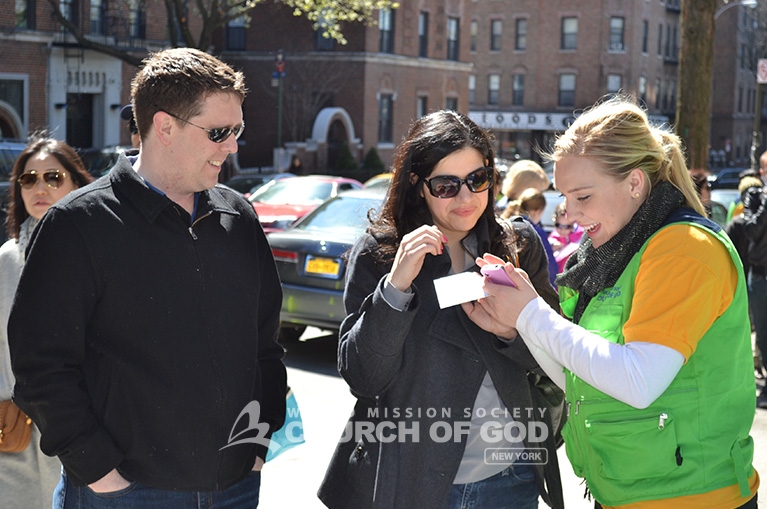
(590, 270)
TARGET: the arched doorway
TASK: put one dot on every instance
(337, 138)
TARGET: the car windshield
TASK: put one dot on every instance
(293, 192)
(344, 214)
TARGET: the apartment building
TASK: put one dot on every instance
(363, 94)
(50, 82)
(536, 63)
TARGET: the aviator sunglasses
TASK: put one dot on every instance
(53, 178)
(448, 186)
(217, 134)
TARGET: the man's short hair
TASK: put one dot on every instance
(177, 81)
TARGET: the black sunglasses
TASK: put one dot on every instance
(217, 134)
(54, 178)
(447, 186)
(564, 226)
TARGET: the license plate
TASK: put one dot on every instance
(327, 267)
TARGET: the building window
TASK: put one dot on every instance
(423, 34)
(614, 83)
(473, 36)
(137, 18)
(493, 88)
(668, 41)
(25, 14)
(569, 33)
(235, 34)
(645, 35)
(385, 116)
(12, 92)
(452, 38)
(68, 9)
(472, 89)
(743, 57)
(520, 41)
(386, 31)
(740, 99)
(98, 17)
(422, 106)
(672, 100)
(496, 27)
(518, 90)
(657, 93)
(567, 90)
(451, 103)
(643, 89)
(616, 34)
(660, 40)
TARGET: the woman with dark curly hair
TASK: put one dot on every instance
(45, 171)
(440, 392)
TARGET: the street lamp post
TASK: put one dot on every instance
(279, 74)
(727, 5)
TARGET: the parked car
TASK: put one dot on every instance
(280, 202)
(727, 178)
(381, 180)
(248, 183)
(309, 260)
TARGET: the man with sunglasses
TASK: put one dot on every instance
(162, 307)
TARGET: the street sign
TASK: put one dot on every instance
(761, 71)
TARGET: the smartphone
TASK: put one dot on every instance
(496, 274)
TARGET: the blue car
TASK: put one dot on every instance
(309, 258)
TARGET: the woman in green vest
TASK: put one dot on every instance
(653, 348)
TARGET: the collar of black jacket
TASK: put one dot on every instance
(152, 203)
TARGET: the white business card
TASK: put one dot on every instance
(458, 288)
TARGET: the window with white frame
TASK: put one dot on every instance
(496, 28)
(452, 38)
(614, 83)
(235, 34)
(386, 31)
(493, 88)
(569, 33)
(423, 34)
(472, 89)
(422, 106)
(518, 90)
(616, 33)
(451, 103)
(25, 14)
(385, 118)
(643, 89)
(567, 89)
(520, 39)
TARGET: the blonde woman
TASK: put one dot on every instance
(654, 348)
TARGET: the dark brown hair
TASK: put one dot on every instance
(177, 81)
(430, 139)
(65, 155)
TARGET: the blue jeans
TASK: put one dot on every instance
(512, 488)
(242, 495)
(757, 301)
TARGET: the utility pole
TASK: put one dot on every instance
(279, 75)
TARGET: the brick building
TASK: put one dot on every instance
(363, 94)
(520, 68)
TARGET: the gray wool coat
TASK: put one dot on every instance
(421, 369)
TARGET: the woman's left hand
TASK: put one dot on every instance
(498, 312)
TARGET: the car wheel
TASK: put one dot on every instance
(291, 333)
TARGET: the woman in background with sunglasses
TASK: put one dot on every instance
(46, 171)
(443, 390)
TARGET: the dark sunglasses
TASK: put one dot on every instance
(54, 178)
(564, 226)
(447, 186)
(217, 134)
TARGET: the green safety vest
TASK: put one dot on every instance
(695, 437)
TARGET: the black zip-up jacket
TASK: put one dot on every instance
(137, 337)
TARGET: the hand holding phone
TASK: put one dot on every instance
(497, 274)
